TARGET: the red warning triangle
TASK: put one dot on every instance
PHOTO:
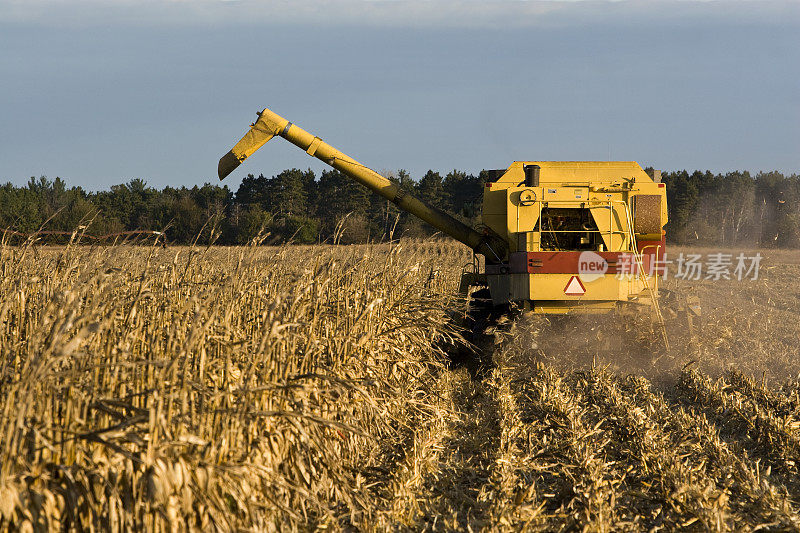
(574, 287)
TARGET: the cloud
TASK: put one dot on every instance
(388, 13)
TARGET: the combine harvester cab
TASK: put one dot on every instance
(556, 236)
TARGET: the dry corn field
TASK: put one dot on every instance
(303, 388)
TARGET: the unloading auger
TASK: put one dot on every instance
(270, 124)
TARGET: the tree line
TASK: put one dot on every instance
(731, 209)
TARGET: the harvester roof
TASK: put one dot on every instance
(565, 173)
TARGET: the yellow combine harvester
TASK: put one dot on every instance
(557, 236)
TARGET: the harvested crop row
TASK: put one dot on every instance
(780, 404)
(674, 471)
(773, 438)
(753, 500)
(666, 485)
(561, 462)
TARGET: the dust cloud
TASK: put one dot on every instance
(628, 344)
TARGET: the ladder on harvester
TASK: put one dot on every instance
(643, 277)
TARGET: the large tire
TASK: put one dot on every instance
(481, 327)
(480, 311)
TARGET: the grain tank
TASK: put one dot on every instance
(556, 236)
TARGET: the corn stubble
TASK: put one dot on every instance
(299, 388)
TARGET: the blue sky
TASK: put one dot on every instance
(99, 93)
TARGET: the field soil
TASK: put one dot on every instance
(299, 388)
